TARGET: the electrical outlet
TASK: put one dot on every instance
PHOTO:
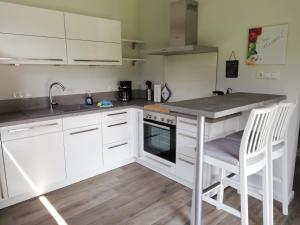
(260, 75)
(275, 75)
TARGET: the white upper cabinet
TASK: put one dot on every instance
(21, 49)
(79, 27)
(94, 53)
(93, 41)
(25, 20)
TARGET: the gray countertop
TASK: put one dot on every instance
(219, 106)
(22, 117)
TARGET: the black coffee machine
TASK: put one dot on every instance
(125, 91)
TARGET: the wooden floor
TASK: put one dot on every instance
(133, 195)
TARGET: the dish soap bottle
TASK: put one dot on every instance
(88, 98)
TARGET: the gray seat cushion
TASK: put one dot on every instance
(237, 136)
(223, 149)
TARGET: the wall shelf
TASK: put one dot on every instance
(133, 42)
(134, 60)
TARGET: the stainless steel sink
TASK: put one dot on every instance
(73, 108)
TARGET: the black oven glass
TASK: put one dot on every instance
(160, 140)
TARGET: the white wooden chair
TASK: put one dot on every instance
(278, 150)
(243, 159)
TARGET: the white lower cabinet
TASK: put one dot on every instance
(116, 152)
(185, 167)
(33, 164)
(83, 147)
(116, 131)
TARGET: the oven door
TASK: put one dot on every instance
(160, 140)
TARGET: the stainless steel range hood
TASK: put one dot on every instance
(183, 31)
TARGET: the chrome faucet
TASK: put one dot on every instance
(51, 102)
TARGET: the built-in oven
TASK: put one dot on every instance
(160, 135)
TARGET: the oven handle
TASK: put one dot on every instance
(157, 125)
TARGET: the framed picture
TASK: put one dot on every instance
(267, 45)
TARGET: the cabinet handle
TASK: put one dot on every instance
(117, 124)
(32, 128)
(95, 60)
(186, 161)
(188, 123)
(116, 146)
(188, 136)
(155, 160)
(33, 59)
(115, 114)
(84, 131)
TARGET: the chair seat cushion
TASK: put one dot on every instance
(223, 149)
(237, 136)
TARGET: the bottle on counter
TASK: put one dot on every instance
(88, 99)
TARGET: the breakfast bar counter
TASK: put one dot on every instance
(215, 107)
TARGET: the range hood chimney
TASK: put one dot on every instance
(183, 31)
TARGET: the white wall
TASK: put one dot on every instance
(33, 80)
(225, 24)
(188, 76)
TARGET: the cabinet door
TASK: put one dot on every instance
(185, 167)
(3, 190)
(33, 164)
(81, 27)
(20, 49)
(83, 148)
(93, 53)
(25, 20)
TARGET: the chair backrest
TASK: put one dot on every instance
(282, 121)
(257, 132)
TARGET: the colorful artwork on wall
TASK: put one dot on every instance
(267, 45)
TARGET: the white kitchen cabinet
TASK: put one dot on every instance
(20, 49)
(186, 143)
(3, 189)
(25, 20)
(185, 167)
(115, 115)
(116, 131)
(93, 53)
(116, 153)
(83, 147)
(81, 121)
(80, 27)
(34, 161)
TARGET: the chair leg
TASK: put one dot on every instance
(221, 187)
(285, 185)
(267, 181)
(244, 199)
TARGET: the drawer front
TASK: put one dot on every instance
(81, 121)
(115, 131)
(31, 129)
(115, 115)
(159, 163)
(116, 152)
(185, 167)
(186, 143)
(187, 124)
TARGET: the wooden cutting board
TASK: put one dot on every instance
(156, 108)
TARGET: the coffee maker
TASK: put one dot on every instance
(125, 91)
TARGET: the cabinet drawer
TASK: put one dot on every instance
(185, 167)
(31, 129)
(159, 163)
(116, 152)
(115, 131)
(187, 124)
(81, 121)
(115, 115)
(186, 143)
